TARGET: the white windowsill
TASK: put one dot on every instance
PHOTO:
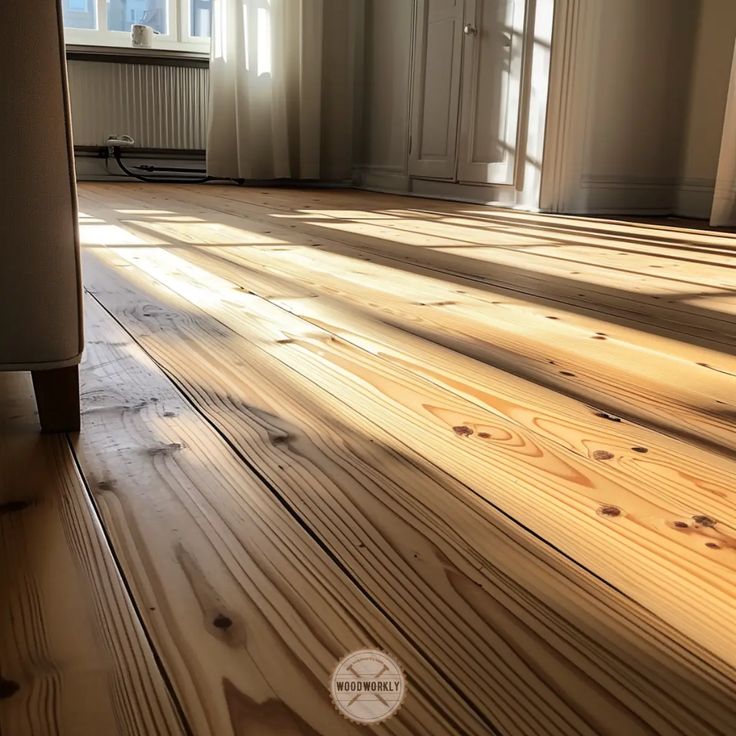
(79, 40)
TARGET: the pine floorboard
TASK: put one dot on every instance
(658, 371)
(247, 611)
(499, 445)
(74, 658)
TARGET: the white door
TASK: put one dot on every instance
(491, 95)
(438, 55)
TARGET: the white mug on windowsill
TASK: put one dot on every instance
(141, 36)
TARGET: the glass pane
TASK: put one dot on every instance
(79, 13)
(122, 14)
(201, 18)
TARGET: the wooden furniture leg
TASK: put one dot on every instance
(57, 398)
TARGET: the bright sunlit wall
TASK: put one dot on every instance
(179, 24)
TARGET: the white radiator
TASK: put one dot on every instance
(160, 106)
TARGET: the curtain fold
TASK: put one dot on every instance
(266, 89)
(723, 211)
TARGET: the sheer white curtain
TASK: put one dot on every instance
(724, 196)
(266, 89)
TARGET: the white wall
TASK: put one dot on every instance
(383, 151)
(638, 94)
(618, 105)
(715, 34)
(342, 28)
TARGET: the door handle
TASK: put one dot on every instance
(469, 29)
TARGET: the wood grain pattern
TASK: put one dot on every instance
(403, 541)
(648, 300)
(248, 613)
(652, 377)
(73, 657)
(544, 483)
(325, 376)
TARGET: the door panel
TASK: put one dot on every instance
(438, 55)
(491, 95)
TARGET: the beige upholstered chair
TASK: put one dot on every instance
(40, 293)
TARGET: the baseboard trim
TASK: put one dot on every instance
(695, 198)
(639, 195)
(394, 180)
(591, 181)
(503, 196)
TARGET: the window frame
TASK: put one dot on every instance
(178, 37)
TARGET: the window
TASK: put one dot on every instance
(177, 24)
(201, 20)
(121, 14)
(79, 14)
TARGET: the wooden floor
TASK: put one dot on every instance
(498, 445)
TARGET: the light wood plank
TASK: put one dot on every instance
(248, 613)
(331, 314)
(350, 322)
(660, 385)
(655, 380)
(571, 289)
(676, 236)
(385, 390)
(364, 495)
(470, 378)
(73, 657)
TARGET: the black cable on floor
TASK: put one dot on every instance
(167, 179)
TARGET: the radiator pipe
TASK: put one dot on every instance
(151, 168)
(116, 152)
